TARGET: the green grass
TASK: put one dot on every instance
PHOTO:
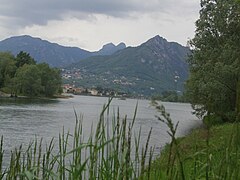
(204, 154)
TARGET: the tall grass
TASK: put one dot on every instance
(207, 153)
(112, 151)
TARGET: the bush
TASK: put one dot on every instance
(212, 120)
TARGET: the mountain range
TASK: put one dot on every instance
(53, 54)
(150, 68)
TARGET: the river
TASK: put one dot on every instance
(22, 120)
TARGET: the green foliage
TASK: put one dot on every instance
(24, 58)
(173, 147)
(238, 101)
(206, 153)
(7, 68)
(215, 63)
(212, 120)
(22, 76)
(170, 96)
(28, 80)
(50, 79)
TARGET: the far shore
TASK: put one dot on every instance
(4, 95)
(61, 96)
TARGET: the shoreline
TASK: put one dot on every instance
(4, 95)
(59, 96)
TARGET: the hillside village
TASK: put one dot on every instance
(71, 85)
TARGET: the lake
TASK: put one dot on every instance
(23, 120)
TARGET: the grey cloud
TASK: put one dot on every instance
(28, 12)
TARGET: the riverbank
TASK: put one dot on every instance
(61, 96)
(203, 154)
(4, 95)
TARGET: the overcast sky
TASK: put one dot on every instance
(89, 24)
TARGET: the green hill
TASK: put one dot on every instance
(153, 67)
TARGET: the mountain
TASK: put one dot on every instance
(110, 48)
(153, 67)
(51, 53)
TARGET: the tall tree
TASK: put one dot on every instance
(7, 68)
(28, 80)
(50, 79)
(24, 58)
(213, 86)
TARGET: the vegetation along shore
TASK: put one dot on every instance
(21, 75)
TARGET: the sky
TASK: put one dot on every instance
(89, 24)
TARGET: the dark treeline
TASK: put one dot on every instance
(21, 75)
(170, 96)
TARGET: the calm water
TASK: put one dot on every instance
(23, 120)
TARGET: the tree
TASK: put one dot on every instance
(238, 92)
(50, 80)
(28, 80)
(214, 83)
(7, 70)
(22, 75)
(24, 58)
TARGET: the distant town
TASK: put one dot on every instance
(71, 84)
(72, 89)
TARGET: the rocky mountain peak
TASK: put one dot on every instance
(157, 42)
(108, 45)
(121, 45)
(110, 48)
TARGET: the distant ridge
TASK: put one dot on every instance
(51, 53)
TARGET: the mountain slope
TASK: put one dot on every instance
(43, 51)
(152, 67)
(51, 53)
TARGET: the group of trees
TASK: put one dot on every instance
(21, 75)
(214, 84)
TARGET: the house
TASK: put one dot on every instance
(94, 92)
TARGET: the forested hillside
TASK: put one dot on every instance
(151, 68)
